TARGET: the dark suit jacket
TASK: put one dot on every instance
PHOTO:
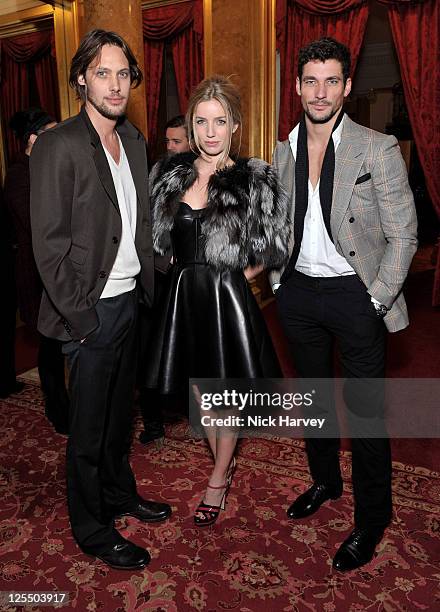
(76, 223)
(7, 257)
(29, 286)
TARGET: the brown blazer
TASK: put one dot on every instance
(373, 218)
(76, 223)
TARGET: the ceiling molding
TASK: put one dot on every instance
(29, 20)
(147, 4)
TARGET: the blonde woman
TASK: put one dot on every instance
(223, 220)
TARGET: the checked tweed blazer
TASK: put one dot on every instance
(373, 218)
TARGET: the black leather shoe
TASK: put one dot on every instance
(15, 387)
(125, 555)
(357, 550)
(61, 427)
(154, 431)
(144, 510)
(310, 501)
(58, 415)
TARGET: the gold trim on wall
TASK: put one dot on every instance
(263, 79)
(207, 36)
(66, 43)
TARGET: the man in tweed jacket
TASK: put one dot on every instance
(354, 237)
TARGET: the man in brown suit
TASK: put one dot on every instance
(92, 244)
(354, 235)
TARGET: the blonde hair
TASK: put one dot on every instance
(222, 89)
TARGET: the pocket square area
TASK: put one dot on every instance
(363, 178)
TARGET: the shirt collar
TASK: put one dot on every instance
(293, 136)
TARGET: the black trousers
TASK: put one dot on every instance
(316, 312)
(8, 309)
(153, 405)
(102, 378)
(51, 371)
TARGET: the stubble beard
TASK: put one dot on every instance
(320, 119)
(107, 112)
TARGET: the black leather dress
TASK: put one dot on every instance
(209, 324)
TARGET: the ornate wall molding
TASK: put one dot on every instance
(247, 53)
(160, 3)
(27, 20)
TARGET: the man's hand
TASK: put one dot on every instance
(251, 272)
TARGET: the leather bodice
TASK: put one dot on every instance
(208, 323)
(187, 236)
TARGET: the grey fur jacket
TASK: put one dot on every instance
(246, 221)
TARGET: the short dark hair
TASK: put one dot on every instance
(90, 48)
(322, 50)
(175, 122)
(30, 121)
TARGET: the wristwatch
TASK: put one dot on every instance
(381, 309)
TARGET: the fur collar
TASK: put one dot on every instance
(246, 217)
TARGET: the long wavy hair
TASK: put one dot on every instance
(222, 89)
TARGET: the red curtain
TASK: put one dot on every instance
(298, 23)
(153, 54)
(188, 64)
(46, 77)
(21, 58)
(416, 33)
(182, 26)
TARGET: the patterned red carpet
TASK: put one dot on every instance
(253, 559)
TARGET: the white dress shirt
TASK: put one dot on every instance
(318, 255)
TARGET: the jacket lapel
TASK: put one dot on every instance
(101, 163)
(105, 174)
(349, 157)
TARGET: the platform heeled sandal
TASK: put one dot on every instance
(207, 514)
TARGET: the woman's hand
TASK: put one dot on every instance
(251, 272)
